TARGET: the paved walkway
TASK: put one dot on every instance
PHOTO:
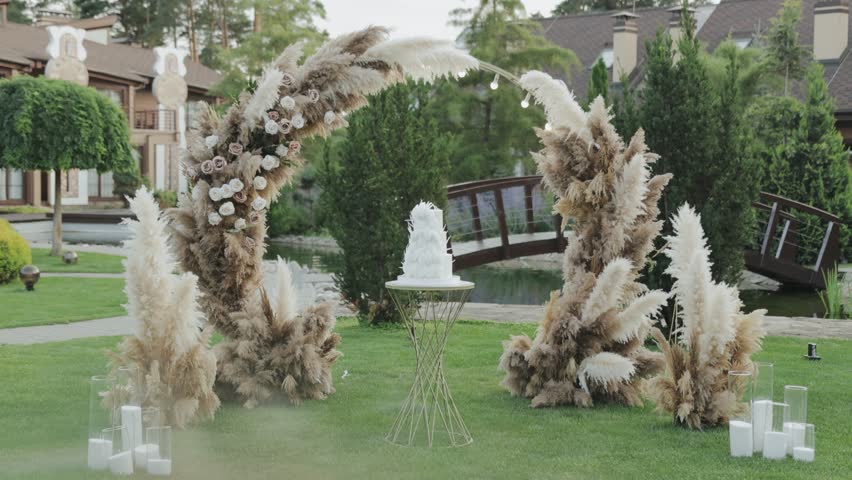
(82, 275)
(492, 312)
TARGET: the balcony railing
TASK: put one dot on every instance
(163, 120)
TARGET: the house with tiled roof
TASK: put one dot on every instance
(159, 90)
(619, 39)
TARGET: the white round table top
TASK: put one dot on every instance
(454, 283)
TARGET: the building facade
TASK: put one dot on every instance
(158, 89)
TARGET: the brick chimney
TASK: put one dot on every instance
(4, 4)
(625, 44)
(831, 29)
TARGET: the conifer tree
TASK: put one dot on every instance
(627, 109)
(599, 83)
(785, 55)
(392, 158)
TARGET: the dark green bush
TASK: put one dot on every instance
(392, 158)
(14, 252)
(125, 183)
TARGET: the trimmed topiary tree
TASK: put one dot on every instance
(56, 125)
(14, 252)
(392, 159)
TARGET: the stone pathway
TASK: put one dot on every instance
(492, 312)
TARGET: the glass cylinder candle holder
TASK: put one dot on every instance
(121, 458)
(143, 451)
(160, 440)
(762, 379)
(797, 416)
(130, 383)
(774, 438)
(805, 453)
(100, 418)
(740, 429)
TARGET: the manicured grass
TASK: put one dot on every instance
(88, 262)
(61, 300)
(23, 209)
(43, 411)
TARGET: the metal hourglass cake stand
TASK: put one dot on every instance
(429, 413)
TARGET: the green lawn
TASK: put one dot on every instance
(88, 263)
(43, 413)
(61, 300)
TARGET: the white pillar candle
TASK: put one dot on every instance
(143, 454)
(160, 467)
(741, 438)
(761, 420)
(131, 422)
(121, 463)
(795, 435)
(803, 454)
(774, 445)
(99, 453)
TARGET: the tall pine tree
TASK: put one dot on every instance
(599, 83)
(392, 158)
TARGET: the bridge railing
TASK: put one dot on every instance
(796, 242)
(515, 209)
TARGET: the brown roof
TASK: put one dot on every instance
(93, 23)
(23, 44)
(586, 35)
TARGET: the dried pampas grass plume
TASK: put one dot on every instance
(256, 146)
(712, 335)
(176, 368)
(589, 346)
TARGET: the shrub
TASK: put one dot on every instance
(288, 218)
(166, 198)
(14, 252)
(125, 183)
(392, 158)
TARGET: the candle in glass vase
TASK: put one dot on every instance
(740, 422)
(805, 452)
(795, 435)
(763, 380)
(160, 466)
(797, 416)
(121, 463)
(774, 439)
(143, 454)
(99, 452)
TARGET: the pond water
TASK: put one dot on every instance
(533, 287)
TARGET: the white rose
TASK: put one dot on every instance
(269, 162)
(259, 203)
(215, 194)
(236, 185)
(196, 192)
(226, 191)
(226, 209)
(298, 121)
(211, 141)
(288, 103)
(240, 224)
(329, 117)
(214, 218)
(271, 127)
(259, 183)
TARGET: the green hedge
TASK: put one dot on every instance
(14, 252)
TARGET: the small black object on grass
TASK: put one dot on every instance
(812, 352)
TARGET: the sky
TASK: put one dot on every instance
(405, 17)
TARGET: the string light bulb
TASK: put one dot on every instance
(525, 103)
(494, 83)
(462, 74)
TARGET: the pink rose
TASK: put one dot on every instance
(273, 115)
(313, 95)
(207, 167)
(235, 148)
(240, 197)
(294, 147)
(219, 163)
(288, 80)
(285, 126)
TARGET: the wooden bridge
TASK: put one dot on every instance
(505, 218)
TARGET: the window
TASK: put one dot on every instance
(743, 42)
(100, 185)
(11, 184)
(114, 95)
(607, 56)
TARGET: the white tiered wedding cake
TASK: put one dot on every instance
(426, 259)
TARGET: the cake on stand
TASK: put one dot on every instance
(429, 298)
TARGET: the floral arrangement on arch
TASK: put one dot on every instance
(236, 166)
